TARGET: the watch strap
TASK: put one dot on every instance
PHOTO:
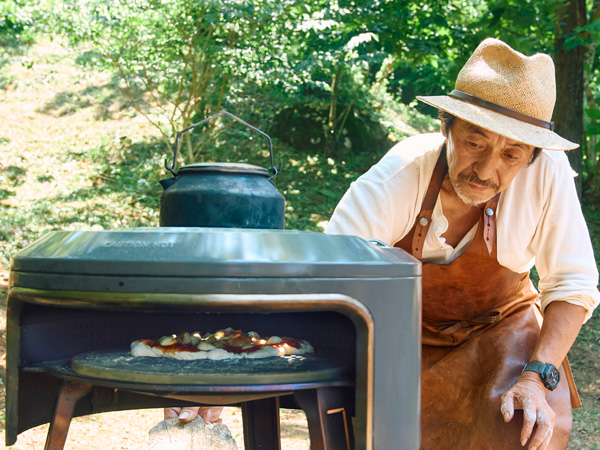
(534, 366)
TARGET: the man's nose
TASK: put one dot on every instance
(485, 166)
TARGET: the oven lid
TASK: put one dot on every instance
(214, 252)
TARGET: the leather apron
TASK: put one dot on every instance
(481, 323)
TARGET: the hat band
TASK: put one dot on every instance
(502, 110)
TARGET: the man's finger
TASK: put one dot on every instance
(188, 414)
(529, 419)
(211, 415)
(543, 431)
(508, 407)
(171, 412)
(546, 442)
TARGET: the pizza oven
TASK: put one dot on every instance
(94, 292)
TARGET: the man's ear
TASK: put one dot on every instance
(443, 128)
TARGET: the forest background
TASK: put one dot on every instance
(333, 82)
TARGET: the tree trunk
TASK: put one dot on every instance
(568, 112)
(330, 140)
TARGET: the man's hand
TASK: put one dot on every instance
(208, 414)
(529, 394)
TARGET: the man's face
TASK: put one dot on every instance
(482, 163)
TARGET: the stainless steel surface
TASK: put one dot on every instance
(215, 272)
(194, 252)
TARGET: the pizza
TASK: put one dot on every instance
(223, 344)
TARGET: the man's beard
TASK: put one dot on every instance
(474, 179)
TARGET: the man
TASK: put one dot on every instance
(479, 205)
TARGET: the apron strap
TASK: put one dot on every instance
(575, 399)
(489, 222)
(424, 218)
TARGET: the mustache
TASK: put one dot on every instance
(473, 178)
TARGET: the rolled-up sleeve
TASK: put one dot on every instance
(564, 257)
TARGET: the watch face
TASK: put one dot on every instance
(551, 378)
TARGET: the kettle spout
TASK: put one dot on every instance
(167, 183)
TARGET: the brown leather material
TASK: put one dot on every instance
(455, 325)
(465, 374)
(494, 320)
(502, 109)
(495, 284)
(424, 218)
(575, 399)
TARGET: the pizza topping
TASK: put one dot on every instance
(206, 346)
(274, 340)
(167, 340)
(223, 344)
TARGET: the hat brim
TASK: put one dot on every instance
(500, 123)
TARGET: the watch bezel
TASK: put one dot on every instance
(551, 377)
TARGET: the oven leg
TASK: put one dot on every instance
(70, 392)
(329, 424)
(261, 424)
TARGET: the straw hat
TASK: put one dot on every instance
(506, 92)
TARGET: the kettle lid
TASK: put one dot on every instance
(224, 167)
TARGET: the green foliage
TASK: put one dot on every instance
(593, 115)
(591, 161)
(339, 69)
(17, 19)
(327, 76)
(437, 37)
(181, 60)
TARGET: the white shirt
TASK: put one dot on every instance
(539, 219)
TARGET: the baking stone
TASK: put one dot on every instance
(121, 366)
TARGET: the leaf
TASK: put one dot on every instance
(593, 129)
(329, 193)
(355, 41)
(593, 113)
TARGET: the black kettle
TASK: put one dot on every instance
(222, 195)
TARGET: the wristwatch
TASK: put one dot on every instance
(549, 373)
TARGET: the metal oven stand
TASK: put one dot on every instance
(325, 404)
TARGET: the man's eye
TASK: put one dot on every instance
(511, 156)
(473, 144)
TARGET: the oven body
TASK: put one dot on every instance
(358, 303)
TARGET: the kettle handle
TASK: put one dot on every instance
(274, 171)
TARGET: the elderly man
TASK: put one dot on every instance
(479, 205)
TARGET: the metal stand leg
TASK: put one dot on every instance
(70, 392)
(329, 425)
(261, 424)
